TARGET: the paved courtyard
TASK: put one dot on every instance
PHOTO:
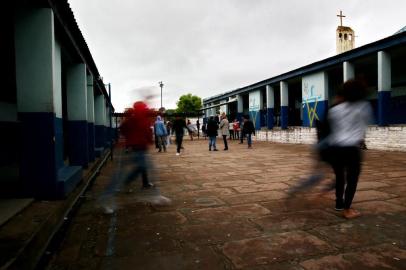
(231, 210)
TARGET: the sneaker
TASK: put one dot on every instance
(149, 185)
(225, 149)
(351, 213)
(215, 150)
(178, 154)
(339, 206)
(108, 210)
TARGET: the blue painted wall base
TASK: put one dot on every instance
(91, 141)
(255, 117)
(269, 118)
(100, 136)
(41, 153)
(319, 112)
(284, 117)
(384, 99)
(78, 143)
(68, 178)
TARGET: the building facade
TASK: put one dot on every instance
(54, 108)
(301, 96)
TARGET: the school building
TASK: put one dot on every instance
(55, 110)
(285, 107)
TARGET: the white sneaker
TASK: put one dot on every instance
(178, 154)
(108, 210)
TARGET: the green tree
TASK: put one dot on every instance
(189, 103)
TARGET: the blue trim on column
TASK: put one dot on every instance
(384, 98)
(100, 140)
(42, 170)
(59, 142)
(270, 118)
(262, 118)
(239, 117)
(284, 117)
(78, 143)
(319, 113)
(68, 178)
(39, 146)
(91, 141)
(100, 136)
(255, 117)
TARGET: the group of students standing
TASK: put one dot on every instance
(246, 129)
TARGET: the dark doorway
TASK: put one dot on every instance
(295, 102)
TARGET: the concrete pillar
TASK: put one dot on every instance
(255, 107)
(100, 120)
(39, 109)
(315, 97)
(262, 110)
(270, 104)
(384, 87)
(284, 104)
(240, 108)
(76, 89)
(39, 102)
(90, 117)
(348, 71)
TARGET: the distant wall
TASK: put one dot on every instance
(392, 138)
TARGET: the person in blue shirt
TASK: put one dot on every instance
(160, 133)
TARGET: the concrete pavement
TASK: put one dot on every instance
(231, 210)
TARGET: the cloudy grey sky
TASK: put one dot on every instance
(206, 47)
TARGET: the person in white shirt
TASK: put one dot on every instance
(348, 122)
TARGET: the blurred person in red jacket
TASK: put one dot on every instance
(136, 129)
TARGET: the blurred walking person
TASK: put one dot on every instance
(179, 126)
(136, 129)
(224, 128)
(248, 130)
(236, 128)
(212, 128)
(348, 123)
(161, 133)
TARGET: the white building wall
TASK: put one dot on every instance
(377, 138)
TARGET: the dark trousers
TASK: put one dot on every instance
(242, 136)
(179, 139)
(232, 137)
(346, 163)
(225, 141)
(140, 167)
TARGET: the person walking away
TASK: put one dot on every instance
(198, 128)
(242, 135)
(236, 128)
(212, 128)
(248, 130)
(204, 130)
(348, 123)
(190, 129)
(179, 126)
(224, 128)
(161, 133)
(169, 132)
(231, 130)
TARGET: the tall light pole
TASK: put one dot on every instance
(161, 84)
